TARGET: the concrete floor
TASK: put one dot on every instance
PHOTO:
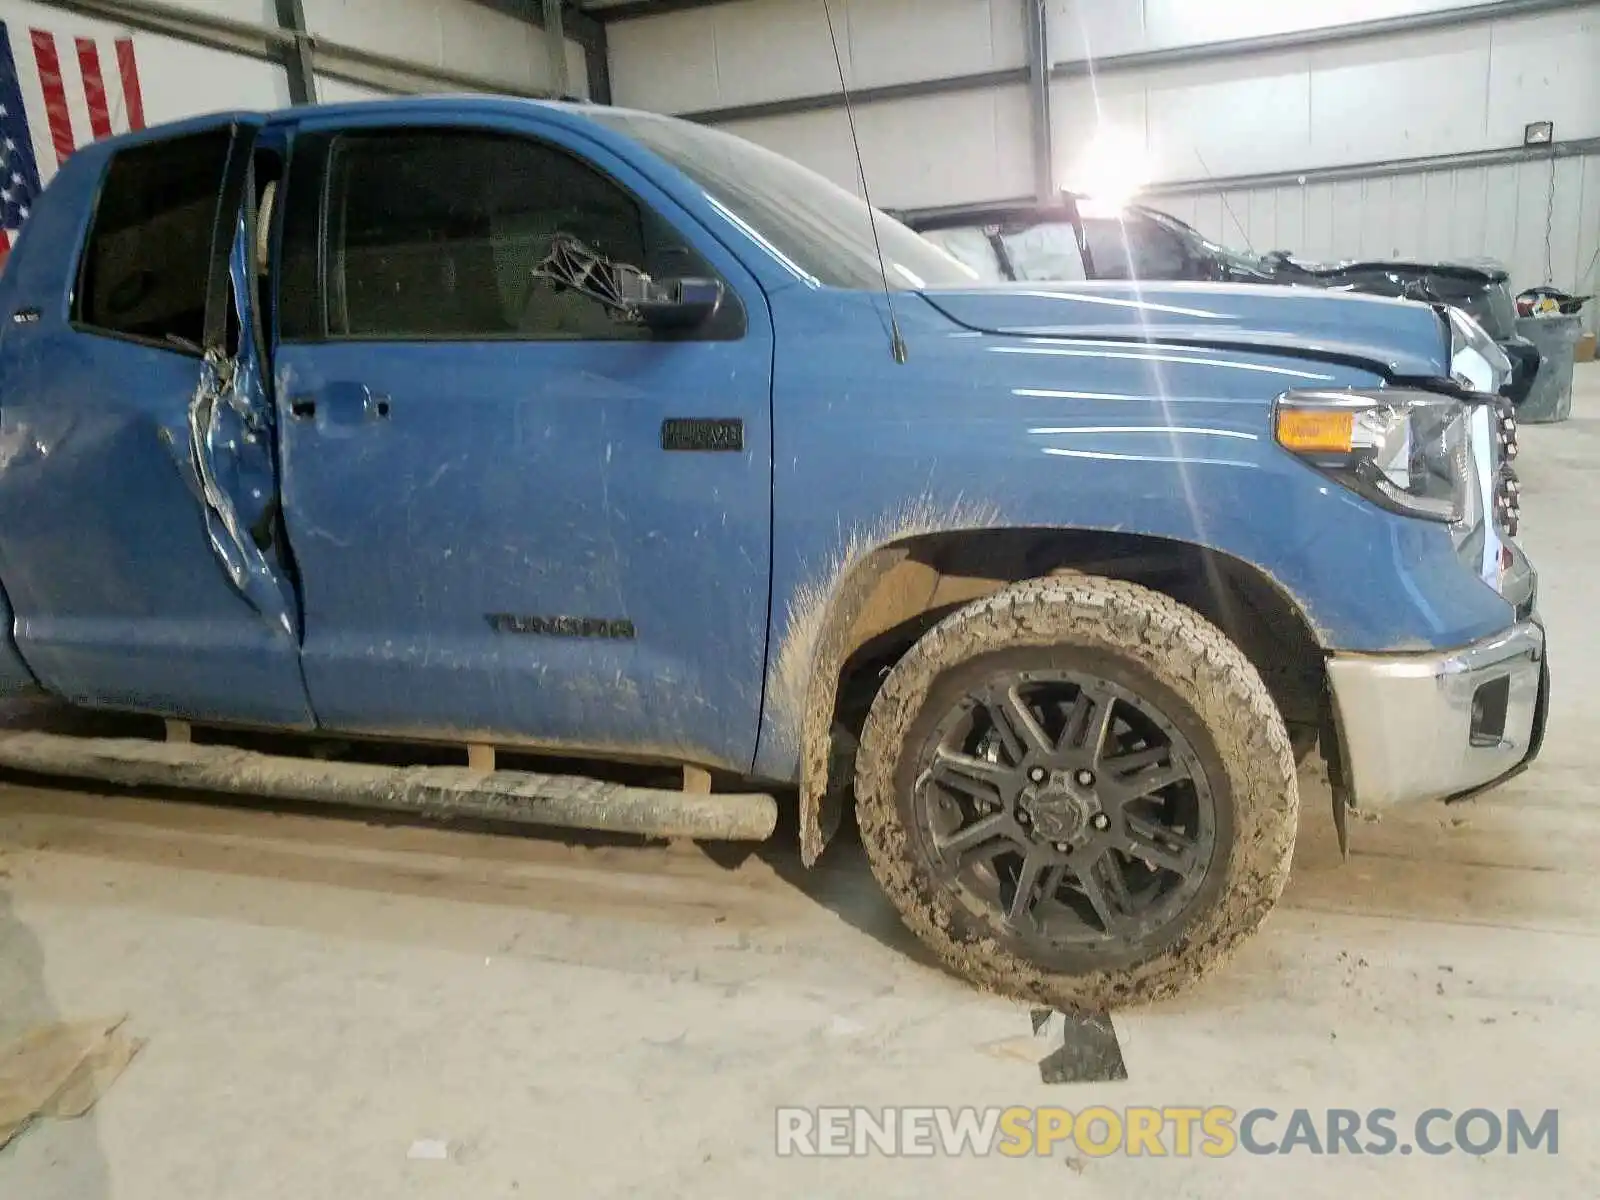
(319, 994)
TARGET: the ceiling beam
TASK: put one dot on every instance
(577, 23)
(628, 9)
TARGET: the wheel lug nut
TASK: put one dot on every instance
(1038, 774)
(1085, 778)
(1022, 816)
(1063, 847)
(1102, 822)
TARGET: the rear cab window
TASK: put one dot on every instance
(146, 263)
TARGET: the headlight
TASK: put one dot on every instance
(1476, 360)
(1408, 451)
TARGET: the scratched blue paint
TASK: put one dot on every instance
(1166, 441)
(1406, 339)
(527, 478)
(119, 601)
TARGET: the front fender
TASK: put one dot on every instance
(979, 431)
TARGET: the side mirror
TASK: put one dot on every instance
(626, 291)
(672, 303)
(679, 303)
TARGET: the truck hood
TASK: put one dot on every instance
(1477, 271)
(1398, 338)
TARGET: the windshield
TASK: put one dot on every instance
(1243, 260)
(821, 229)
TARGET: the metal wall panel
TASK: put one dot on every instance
(1106, 27)
(1441, 91)
(1211, 119)
(759, 50)
(956, 149)
(1544, 69)
(454, 34)
(896, 41)
(340, 91)
(1414, 96)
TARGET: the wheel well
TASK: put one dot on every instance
(933, 575)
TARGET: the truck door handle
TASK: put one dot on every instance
(340, 406)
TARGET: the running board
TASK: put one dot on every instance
(522, 797)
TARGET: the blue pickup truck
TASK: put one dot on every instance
(514, 426)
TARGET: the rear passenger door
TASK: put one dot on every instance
(139, 531)
(516, 517)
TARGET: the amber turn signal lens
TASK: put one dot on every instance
(1315, 432)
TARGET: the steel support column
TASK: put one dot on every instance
(300, 60)
(1038, 48)
(576, 24)
(555, 44)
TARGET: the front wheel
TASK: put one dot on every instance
(1078, 792)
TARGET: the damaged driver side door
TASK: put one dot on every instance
(140, 534)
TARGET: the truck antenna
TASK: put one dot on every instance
(897, 344)
(1223, 196)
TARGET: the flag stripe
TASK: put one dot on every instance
(94, 87)
(49, 106)
(55, 94)
(128, 65)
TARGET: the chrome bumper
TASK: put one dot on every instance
(1437, 726)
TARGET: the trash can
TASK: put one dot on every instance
(1557, 338)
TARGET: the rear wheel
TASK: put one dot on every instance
(1078, 792)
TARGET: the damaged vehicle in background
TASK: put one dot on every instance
(1082, 239)
(492, 427)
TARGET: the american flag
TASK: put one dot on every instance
(55, 95)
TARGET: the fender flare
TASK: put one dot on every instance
(827, 625)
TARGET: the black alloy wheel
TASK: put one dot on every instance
(1070, 805)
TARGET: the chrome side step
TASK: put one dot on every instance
(522, 797)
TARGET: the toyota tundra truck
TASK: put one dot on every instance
(507, 427)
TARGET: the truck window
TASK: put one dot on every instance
(1134, 248)
(145, 266)
(445, 234)
(1048, 251)
(970, 246)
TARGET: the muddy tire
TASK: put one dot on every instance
(1078, 792)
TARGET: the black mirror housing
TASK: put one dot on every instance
(683, 303)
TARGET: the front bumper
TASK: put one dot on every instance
(1524, 356)
(1440, 725)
